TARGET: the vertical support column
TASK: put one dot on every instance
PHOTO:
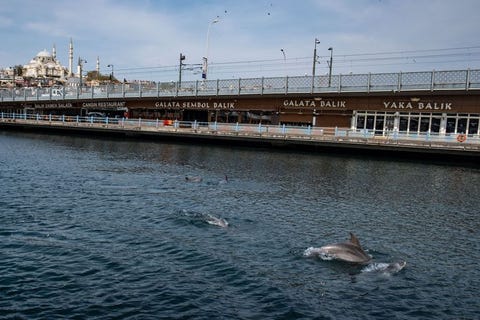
(369, 82)
(432, 83)
(353, 122)
(467, 80)
(396, 122)
(443, 125)
(399, 82)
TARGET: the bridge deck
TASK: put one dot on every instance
(351, 83)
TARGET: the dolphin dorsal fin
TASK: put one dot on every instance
(354, 240)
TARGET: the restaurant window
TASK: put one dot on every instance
(451, 124)
(413, 124)
(361, 122)
(403, 124)
(435, 127)
(462, 125)
(424, 124)
(379, 123)
(473, 126)
(370, 122)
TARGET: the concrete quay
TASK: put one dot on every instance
(326, 140)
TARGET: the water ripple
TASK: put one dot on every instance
(110, 229)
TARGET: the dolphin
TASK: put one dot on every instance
(219, 222)
(193, 179)
(350, 251)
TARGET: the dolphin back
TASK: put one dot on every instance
(354, 240)
(350, 251)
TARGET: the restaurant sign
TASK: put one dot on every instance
(315, 103)
(207, 105)
(52, 105)
(416, 105)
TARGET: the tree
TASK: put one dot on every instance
(18, 70)
(94, 75)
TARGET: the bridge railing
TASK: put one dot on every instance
(239, 129)
(371, 82)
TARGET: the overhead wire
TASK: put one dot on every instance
(301, 65)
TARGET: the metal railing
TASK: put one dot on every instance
(371, 82)
(249, 130)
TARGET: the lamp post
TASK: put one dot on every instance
(111, 75)
(182, 57)
(315, 57)
(284, 61)
(330, 67)
(205, 59)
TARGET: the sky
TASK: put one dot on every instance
(143, 39)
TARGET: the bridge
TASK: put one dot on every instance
(428, 81)
(424, 107)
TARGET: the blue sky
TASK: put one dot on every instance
(143, 38)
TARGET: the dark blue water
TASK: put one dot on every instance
(110, 229)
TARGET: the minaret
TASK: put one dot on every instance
(98, 66)
(70, 58)
(54, 52)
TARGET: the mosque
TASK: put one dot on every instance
(45, 65)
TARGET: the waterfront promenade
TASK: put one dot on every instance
(337, 140)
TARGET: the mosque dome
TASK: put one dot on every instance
(44, 54)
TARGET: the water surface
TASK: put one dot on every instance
(93, 228)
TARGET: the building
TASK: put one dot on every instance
(45, 65)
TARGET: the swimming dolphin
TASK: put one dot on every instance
(219, 222)
(350, 251)
(193, 179)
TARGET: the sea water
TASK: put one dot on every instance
(98, 228)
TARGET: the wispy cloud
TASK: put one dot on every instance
(153, 33)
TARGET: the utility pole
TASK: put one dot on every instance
(315, 57)
(314, 63)
(330, 67)
(182, 57)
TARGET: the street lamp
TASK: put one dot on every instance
(330, 67)
(284, 61)
(205, 59)
(315, 57)
(111, 66)
(182, 57)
